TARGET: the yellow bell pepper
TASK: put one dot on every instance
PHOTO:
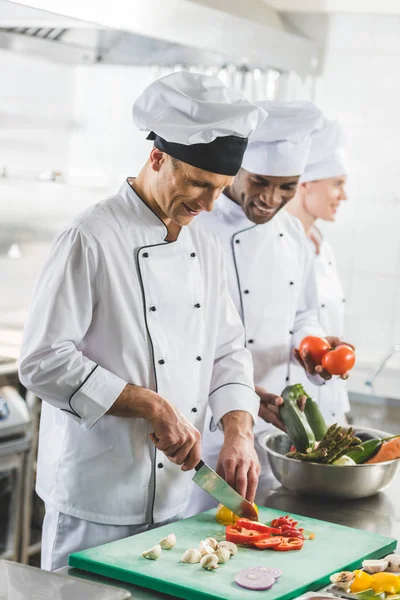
(224, 516)
(362, 581)
(385, 582)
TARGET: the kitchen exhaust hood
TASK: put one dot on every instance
(149, 32)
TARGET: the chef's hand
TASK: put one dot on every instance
(238, 463)
(173, 434)
(269, 407)
(312, 367)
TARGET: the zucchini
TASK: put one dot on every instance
(315, 419)
(295, 421)
(363, 452)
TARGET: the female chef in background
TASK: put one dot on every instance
(319, 193)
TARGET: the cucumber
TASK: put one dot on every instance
(295, 421)
(360, 454)
(315, 419)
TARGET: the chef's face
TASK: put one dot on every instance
(260, 196)
(182, 191)
(323, 197)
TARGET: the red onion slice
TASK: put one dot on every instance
(254, 579)
(273, 571)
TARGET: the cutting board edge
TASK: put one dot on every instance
(172, 589)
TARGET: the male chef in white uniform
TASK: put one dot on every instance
(132, 332)
(269, 264)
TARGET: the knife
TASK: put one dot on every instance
(221, 491)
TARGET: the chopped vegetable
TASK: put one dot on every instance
(375, 566)
(223, 555)
(168, 542)
(344, 461)
(276, 573)
(191, 556)
(209, 562)
(229, 546)
(393, 563)
(224, 516)
(240, 535)
(389, 450)
(253, 579)
(268, 543)
(362, 581)
(257, 526)
(342, 580)
(385, 582)
(153, 553)
(212, 542)
(205, 548)
(288, 544)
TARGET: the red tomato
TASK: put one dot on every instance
(340, 360)
(317, 347)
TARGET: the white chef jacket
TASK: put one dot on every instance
(116, 303)
(332, 398)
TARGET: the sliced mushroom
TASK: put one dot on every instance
(375, 566)
(393, 563)
(229, 546)
(168, 542)
(342, 580)
(191, 556)
(205, 548)
(223, 555)
(209, 562)
(153, 553)
(212, 542)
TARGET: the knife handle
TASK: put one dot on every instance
(198, 466)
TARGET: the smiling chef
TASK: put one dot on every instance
(270, 268)
(132, 332)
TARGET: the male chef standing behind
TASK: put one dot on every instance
(270, 269)
(132, 330)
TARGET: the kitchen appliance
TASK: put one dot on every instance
(15, 442)
(335, 548)
(333, 481)
(213, 484)
(25, 583)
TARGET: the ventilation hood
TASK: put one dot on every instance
(153, 32)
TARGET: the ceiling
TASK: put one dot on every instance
(379, 7)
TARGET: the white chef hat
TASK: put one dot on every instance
(198, 119)
(327, 157)
(280, 145)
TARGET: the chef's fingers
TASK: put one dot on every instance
(270, 414)
(344, 376)
(335, 342)
(241, 482)
(297, 356)
(302, 403)
(267, 397)
(227, 470)
(252, 482)
(319, 369)
(181, 453)
(193, 458)
(308, 361)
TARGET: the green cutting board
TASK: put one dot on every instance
(334, 548)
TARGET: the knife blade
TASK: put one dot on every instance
(213, 484)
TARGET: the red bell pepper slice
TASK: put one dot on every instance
(288, 544)
(268, 543)
(257, 526)
(240, 535)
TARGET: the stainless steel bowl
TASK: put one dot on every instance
(346, 483)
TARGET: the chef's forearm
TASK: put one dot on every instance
(137, 402)
(238, 423)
